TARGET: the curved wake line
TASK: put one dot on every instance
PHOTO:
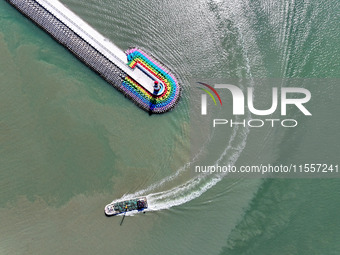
(192, 188)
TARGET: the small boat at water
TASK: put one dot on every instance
(138, 204)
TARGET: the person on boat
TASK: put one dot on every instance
(156, 86)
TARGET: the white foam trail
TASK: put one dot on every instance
(192, 188)
(195, 187)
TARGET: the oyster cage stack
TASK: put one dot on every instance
(140, 77)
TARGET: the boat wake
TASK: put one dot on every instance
(196, 186)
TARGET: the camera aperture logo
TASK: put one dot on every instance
(239, 105)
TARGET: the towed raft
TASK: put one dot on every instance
(140, 77)
(136, 204)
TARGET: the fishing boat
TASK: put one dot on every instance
(136, 204)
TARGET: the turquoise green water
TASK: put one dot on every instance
(70, 144)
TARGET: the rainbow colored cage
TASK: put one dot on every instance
(167, 97)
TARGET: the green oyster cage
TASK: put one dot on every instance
(131, 205)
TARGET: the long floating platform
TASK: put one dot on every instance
(137, 75)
